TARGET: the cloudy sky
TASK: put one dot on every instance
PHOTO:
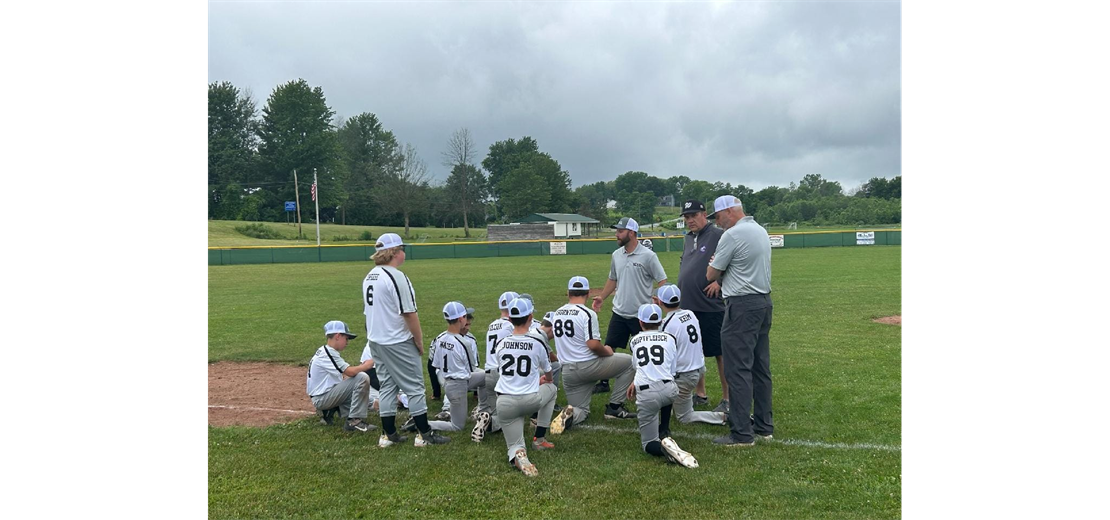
(755, 93)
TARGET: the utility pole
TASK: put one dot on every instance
(297, 192)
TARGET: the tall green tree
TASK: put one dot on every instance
(503, 157)
(297, 134)
(406, 191)
(638, 205)
(466, 182)
(371, 154)
(699, 190)
(637, 181)
(593, 202)
(467, 187)
(674, 186)
(506, 156)
(232, 148)
(523, 192)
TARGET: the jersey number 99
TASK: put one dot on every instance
(655, 358)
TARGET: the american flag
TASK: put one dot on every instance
(313, 189)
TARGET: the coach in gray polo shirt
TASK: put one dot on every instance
(631, 274)
(701, 296)
(743, 264)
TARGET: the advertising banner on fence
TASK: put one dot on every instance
(865, 238)
(777, 241)
(558, 248)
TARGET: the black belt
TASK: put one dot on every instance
(645, 387)
(488, 370)
(742, 296)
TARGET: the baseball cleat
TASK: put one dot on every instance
(424, 439)
(443, 416)
(327, 416)
(676, 455)
(618, 413)
(541, 444)
(358, 425)
(764, 437)
(700, 400)
(524, 465)
(386, 441)
(474, 412)
(559, 423)
(722, 407)
(479, 431)
(410, 425)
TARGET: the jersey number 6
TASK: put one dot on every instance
(370, 295)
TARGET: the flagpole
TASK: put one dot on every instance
(317, 206)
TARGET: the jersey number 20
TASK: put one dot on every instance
(523, 365)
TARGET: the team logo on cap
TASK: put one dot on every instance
(688, 204)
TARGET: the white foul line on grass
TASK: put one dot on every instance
(788, 442)
(262, 409)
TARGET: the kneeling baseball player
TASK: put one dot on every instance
(327, 387)
(459, 367)
(499, 329)
(689, 361)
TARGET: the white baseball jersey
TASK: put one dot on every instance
(452, 355)
(537, 329)
(654, 354)
(684, 326)
(325, 370)
(574, 324)
(500, 329)
(521, 359)
(367, 354)
(467, 339)
(472, 344)
(387, 294)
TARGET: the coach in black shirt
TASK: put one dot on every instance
(700, 295)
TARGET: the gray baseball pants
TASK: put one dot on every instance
(515, 409)
(403, 371)
(492, 375)
(684, 403)
(457, 390)
(746, 350)
(351, 395)
(581, 377)
(648, 403)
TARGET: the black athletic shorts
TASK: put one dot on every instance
(621, 329)
(711, 323)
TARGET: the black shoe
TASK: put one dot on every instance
(431, 437)
(602, 388)
(557, 409)
(728, 440)
(358, 425)
(700, 400)
(329, 416)
(618, 413)
(386, 441)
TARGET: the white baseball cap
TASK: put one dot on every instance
(650, 313)
(549, 317)
(578, 283)
(387, 241)
(506, 298)
(726, 201)
(519, 308)
(628, 223)
(453, 310)
(669, 294)
(338, 327)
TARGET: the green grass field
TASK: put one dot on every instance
(222, 233)
(836, 452)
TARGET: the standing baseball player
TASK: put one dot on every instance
(459, 366)
(654, 388)
(585, 360)
(631, 273)
(689, 362)
(521, 390)
(325, 384)
(498, 330)
(397, 341)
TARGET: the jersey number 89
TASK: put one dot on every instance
(564, 328)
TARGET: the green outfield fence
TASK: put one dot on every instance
(520, 248)
(361, 252)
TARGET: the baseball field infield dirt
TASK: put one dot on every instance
(256, 394)
(890, 320)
